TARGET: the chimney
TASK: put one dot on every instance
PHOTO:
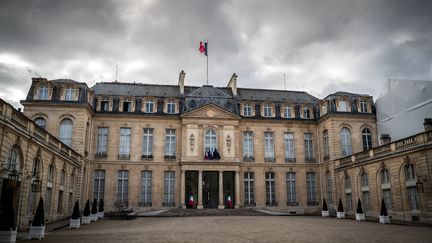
(427, 124)
(181, 82)
(233, 84)
(385, 139)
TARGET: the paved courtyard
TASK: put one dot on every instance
(240, 229)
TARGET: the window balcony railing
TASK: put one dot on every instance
(292, 203)
(147, 157)
(145, 204)
(248, 159)
(312, 203)
(290, 160)
(271, 204)
(326, 157)
(170, 157)
(310, 160)
(269, 159)
(168, 204)
(124, 156)
(249, 204)
(101, 155)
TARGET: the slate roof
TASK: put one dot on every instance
(275, 95)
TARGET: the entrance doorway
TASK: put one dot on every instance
(210, 188)
(191, 189)
(228, 187)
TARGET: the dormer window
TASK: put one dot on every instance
(323, 109)
(287, 111)
(149, 106)
(43, 93)
(171, 107)
(104, 105)
(70, 94)
(247, 110)
(306, 111)
(127, 106)
(267, 111)
(363, 105)
(342, 105)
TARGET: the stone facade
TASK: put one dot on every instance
(150, 147)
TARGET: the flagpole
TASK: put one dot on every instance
(207, 60)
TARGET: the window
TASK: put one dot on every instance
(248, 153)
(289, 147)
(169, 189)
(365, 190)
(329, 187)
(364, 180)
(387, 198)
(311, 189)
(104, 105)
(348, 195)
(34, 176)
(268, 147)
(124, 146)
(62, 178)
(323, 109)
(385, 178)
(146, 189)
(170, 143)
(326, 147)
(409, 172)
(51, 173)
(99, 185)
(14, 159)
(249, 189)
(267, 110)
(342, 105)
(366, 200)
(247, 110)
(70, 94)
(306, 113)
(147, 145)
(71, 182)
(171, 107)
(127, 106)
(291, 189)
(363, 106)
(385, 186)
(367, 139)
(43, 93)
(210, 141)
(102, 142)
(347, 183)
(48, 195)
(308, 146)
(270, 189)
(287, 111)
(413, 198)
(60, 202)
(40, 122)
(66, 128)
(149, 106)
(345, 137)
(122, 187)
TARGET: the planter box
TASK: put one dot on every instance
(85, 220)
(8, 236)
(360, 217)
(74, 223)
(325, 213)
(36, 232)
(340, 215)
(384, 219)
(93, 217)
(100, 215)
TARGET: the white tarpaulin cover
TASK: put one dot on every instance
(403, 106)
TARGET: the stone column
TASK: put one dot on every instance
(182, 189)
(200, 206)
(221, 195)
(237, 189)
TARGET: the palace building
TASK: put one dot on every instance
(148, 146)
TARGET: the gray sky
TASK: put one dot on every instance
(322, 45)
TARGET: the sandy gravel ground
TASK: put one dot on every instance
(240, 229)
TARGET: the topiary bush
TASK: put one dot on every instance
(340, 206)
(359, 207)
(94, 207)
(87, 209)
(101, 205)
(75, 213)
(324, 208)
(39, 218)
(383, 211)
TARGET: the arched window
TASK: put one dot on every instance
(40, 122)
(210, 141)
(413, 197)
(66, 128)
(345, 137)
(62, 178)
(409, 172)
(385, 187)
(348, 193)
(364, 180)
(267, 110)
(329, 188)
(365, 191)
(367, 139)
(36, 168)
(326, 145)
(14, 159)
(385, 178)
(347, 183)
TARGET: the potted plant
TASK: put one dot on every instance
(8, 230)
(86, 214)
(74, 221)
(100, 213)
(93, 213)
(360, 214)
(325, 211)
(340, 211)
(37, 228)
(384, 217)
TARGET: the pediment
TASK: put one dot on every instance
(209, 91)
(210, 111)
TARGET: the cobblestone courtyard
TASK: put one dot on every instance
(240, 229)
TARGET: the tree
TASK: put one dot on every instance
(340, 206)
(101, 205)
(87, 209)
(94, 207)
(39, 218)
(383, 211)
(75, 213)
(359, 207)
(324, 208)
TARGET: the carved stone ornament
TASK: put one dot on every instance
(228, 141)
(18, 141)
(192, 142)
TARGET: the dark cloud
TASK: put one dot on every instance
(323, 46)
